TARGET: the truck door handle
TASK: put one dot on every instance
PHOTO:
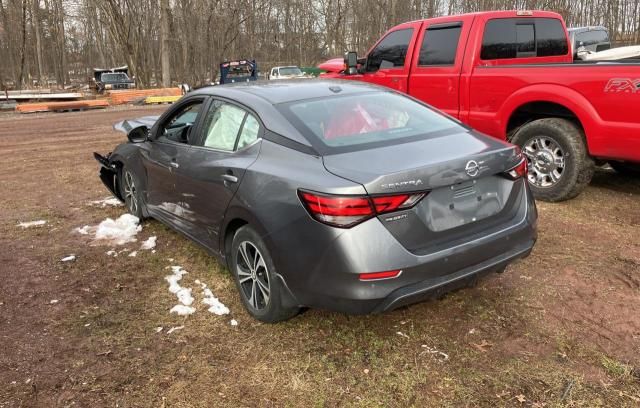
(229, 178)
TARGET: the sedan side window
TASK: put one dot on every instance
(178, 127)
(250, 131)
(228, 127)
(222, 126)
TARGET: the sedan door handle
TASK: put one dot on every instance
(229, 178)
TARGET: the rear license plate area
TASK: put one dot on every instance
(462, 204)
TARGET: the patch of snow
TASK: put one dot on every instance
(108, 201)
(30, 224)
(153, 251)
(183, 294)
(133, 254)
(215, 306)
(68, 258)
(171, 330)
(112, 253)
(86, 230)
(119, 231)
(150, 243)
(158, 329)
(233, 322)
(54, 301)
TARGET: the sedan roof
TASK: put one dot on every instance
(277, 92)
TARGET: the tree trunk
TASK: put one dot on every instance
(35, 20)
(165, 47)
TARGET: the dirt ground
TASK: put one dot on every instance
(561, 328)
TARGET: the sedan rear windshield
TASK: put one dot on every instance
(357, 122)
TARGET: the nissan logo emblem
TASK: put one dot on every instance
(472, 168)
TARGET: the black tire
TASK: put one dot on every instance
(128, 185)
(566, 140)
(626, 168)
(250, 280)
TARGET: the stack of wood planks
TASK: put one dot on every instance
(161, 99)
(128, 96)
(61, 106)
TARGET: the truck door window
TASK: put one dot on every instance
(390, 52)
(440, 44)
(512, 38)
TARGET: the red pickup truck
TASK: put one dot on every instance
(511, 74)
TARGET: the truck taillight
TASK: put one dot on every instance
(347, 211)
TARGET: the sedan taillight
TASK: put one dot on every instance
(347, 211)
(519, 171)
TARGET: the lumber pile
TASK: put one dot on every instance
(128, 96)
(61, 106)
(161, 99)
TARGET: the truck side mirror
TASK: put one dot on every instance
(351, 62)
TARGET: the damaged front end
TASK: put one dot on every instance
(108, 173)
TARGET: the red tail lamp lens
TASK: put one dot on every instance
(380, 275)
(347, 211)
(519, 171)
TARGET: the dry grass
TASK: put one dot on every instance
(561, 328)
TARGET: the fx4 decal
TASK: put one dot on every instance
(627, 85)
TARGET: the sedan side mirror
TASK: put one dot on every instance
(138, 134)
(351, 62)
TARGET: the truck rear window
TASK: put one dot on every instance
(366, 120)
(523, 37)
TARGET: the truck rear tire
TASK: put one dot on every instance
(559, 164)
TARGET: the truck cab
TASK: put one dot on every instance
(288, 72)
(510, 74)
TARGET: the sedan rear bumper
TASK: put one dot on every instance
(433, 288)
(327, 275)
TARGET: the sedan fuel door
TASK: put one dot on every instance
(228, 144)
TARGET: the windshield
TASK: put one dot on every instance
(372, 119)
(239, 71)
(114, 77)
(290, 71)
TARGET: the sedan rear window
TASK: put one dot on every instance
(358, 122)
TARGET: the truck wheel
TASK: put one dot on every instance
(559, 164)
(626, 168)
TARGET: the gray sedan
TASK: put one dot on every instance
(328, 194)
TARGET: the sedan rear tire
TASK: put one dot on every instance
(559, 164)
(261, 290)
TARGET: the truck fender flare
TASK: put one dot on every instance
(561, 95)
